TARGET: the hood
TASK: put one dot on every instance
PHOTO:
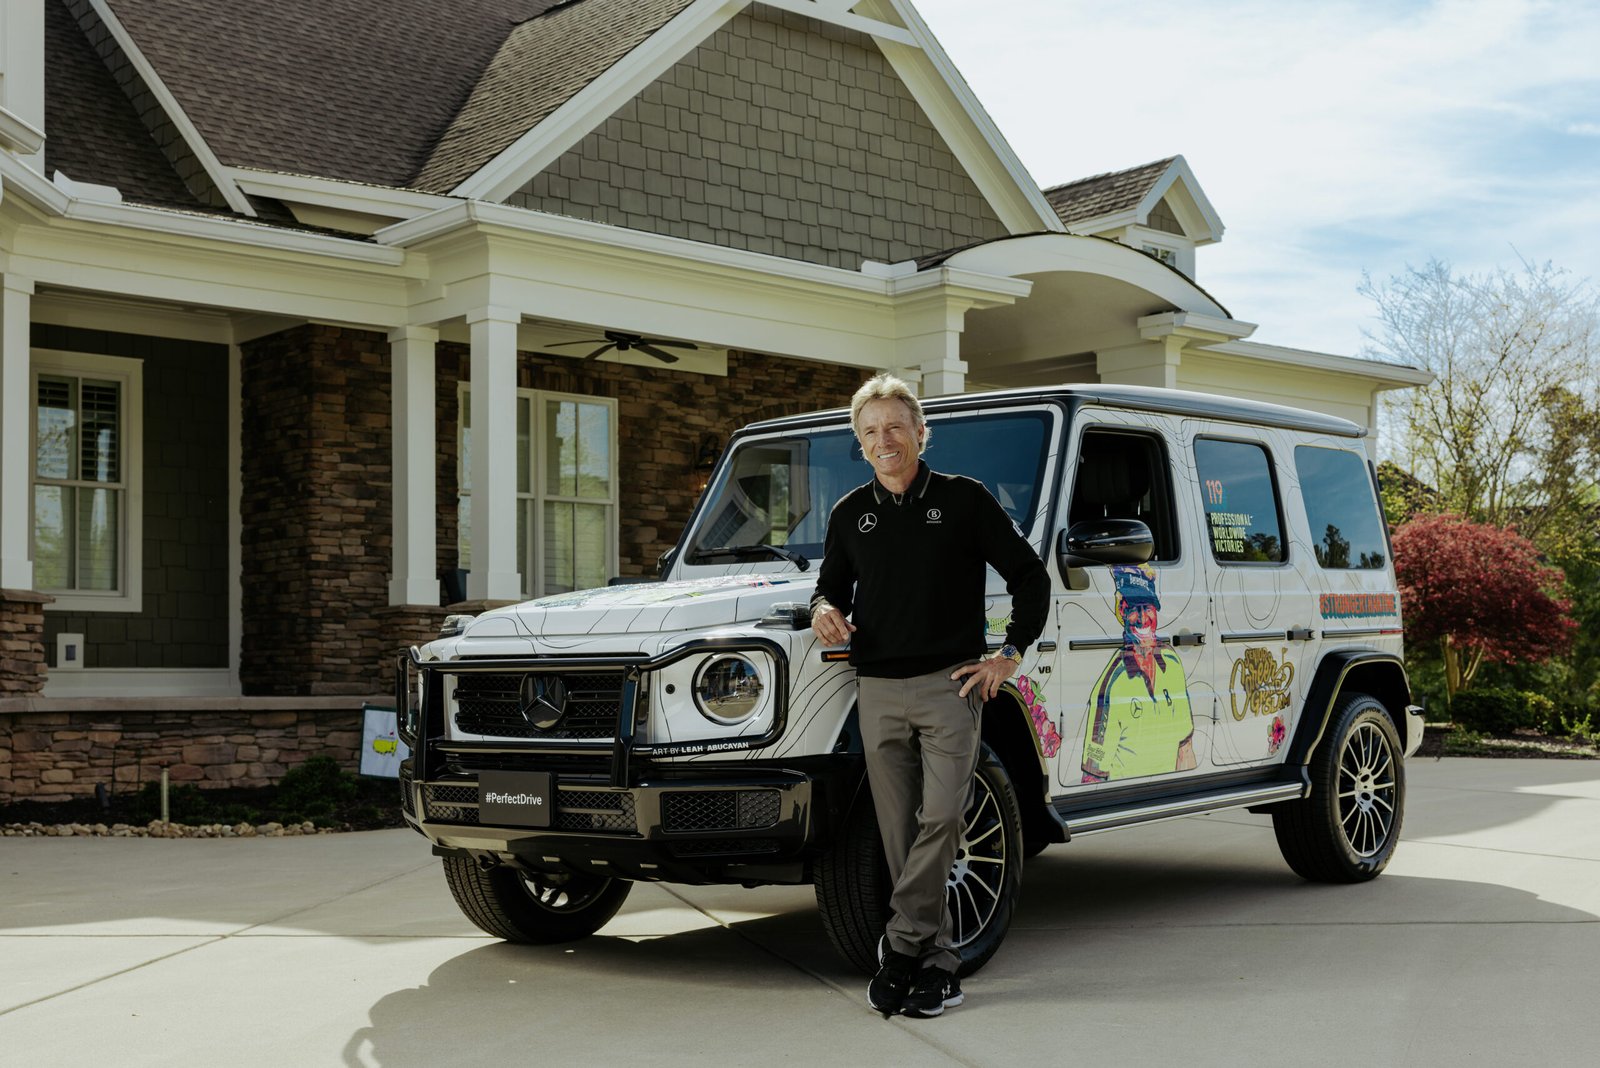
(655, 607)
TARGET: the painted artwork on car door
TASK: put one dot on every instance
(1133, 688)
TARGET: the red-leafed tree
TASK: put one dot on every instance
(1482, 593)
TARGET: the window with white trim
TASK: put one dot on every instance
(87, 480)
(566, 490)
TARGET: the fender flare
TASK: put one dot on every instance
(1329, 682)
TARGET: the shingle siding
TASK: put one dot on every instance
(184, 619)
(778, 135)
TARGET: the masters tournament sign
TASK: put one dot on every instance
(381, 747)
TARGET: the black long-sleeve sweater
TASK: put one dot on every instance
(910, 573)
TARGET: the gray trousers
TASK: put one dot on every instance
(921, 740)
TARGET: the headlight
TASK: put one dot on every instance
(727, 689)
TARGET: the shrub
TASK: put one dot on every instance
(1490, 710)
(1540, 713)
(314, 791)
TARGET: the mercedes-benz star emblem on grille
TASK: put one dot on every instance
(541, 700)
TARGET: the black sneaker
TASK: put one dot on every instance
(933, 991)
(888, 988)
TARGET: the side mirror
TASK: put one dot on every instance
(1104, 541)
(664, 561)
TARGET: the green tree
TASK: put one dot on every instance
(1508, 432)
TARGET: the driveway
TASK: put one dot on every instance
(1183, 943)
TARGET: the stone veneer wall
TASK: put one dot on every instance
(52, 756)
(663, 416)
(317, 475)
(22, 655)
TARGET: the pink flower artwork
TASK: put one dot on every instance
(1049, 738)
(1276, 734)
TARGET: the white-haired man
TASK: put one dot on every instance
(902, 579)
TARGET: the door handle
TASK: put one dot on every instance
(1188, 638)
(1300, 634)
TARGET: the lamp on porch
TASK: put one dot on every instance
(706, 457)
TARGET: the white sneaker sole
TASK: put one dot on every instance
(949, 1003)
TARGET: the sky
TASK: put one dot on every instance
(1332, 138)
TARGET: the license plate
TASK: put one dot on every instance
(515, 798)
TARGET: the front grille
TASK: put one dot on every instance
(490, 704)
(575, 810)
(719, 810)
(593, 810)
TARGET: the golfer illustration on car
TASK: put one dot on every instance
(1199, 655)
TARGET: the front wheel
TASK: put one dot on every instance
(981, 892)
(535, 908)
(1346, 831)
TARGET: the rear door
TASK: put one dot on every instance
(1262, 580)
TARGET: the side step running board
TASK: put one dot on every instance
(1112, 817)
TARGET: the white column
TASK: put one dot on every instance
(930, 341)
(416, 519)
(16, 450)
(492, 511)
(1148, 363)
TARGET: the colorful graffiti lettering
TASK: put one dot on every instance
(1356, 605)
(1276, 734)
(1265, 683)
(1043, 725)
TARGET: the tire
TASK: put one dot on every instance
(853, 889)
(537, 909)
(1346, 831)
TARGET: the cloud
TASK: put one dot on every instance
(1332, 137)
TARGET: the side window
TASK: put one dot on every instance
(1346, 530)
(1124, 475)
(1244, 517)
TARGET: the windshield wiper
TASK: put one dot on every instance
(754, 550)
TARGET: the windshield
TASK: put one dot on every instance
(779, 491)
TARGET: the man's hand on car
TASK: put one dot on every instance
(829, 625)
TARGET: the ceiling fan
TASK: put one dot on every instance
(622, 342)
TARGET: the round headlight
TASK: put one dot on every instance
(727, 689)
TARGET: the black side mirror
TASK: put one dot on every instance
(664, 561)
(1104, 541)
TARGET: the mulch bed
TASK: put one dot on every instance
(235, 813)
(1522, 743)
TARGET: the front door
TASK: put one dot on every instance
(1132, 682)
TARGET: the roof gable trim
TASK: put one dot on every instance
(589, 106)
(1195, 214)
(174, 112)
(966, 127)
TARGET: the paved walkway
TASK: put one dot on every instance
(1187, 943)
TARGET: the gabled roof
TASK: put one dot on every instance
(1106, 194)
(347, 89)
(95, 134)
(540, 65)
(1122, 198)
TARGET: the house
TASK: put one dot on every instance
(311, 308)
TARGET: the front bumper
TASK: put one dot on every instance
(712, 827)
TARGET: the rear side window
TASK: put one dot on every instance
(1346, 529)
(1244, 519)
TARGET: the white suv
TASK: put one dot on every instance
(1225, 633)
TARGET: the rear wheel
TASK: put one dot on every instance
(853, 888)
(536, 908)
(1346, 831)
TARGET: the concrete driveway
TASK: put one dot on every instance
(1184, 943)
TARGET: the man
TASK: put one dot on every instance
(1140, 720)
(902, 580)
